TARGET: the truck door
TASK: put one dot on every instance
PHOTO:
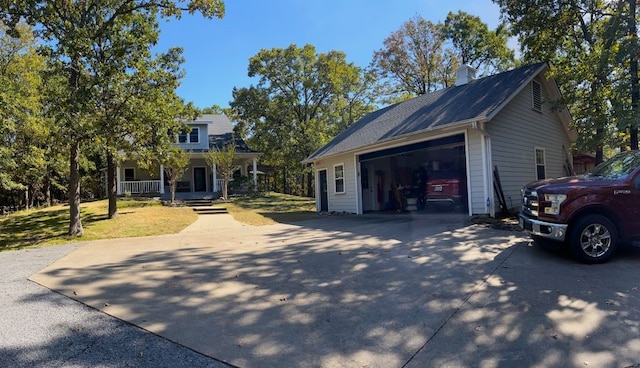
(634, 207)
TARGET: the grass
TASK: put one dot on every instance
(272, 208)
(48, 226)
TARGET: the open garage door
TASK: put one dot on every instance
(424, 176)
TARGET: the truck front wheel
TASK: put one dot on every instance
(593, 239)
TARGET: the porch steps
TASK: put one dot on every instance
(204, 207)
(201, 210)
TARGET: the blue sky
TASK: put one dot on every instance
(217, 51)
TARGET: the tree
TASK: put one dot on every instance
(22, 131)
(476, 45)
(301, 100)
(411, 57)
(423, 56)
(582, 40)
(175, 161)
(71, 31)
(222, 158)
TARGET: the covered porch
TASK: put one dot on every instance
(198, 181)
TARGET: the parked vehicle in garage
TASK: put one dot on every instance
(445, 190)
(593, 213)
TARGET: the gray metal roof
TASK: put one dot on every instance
(479, 99)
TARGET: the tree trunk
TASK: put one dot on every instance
(284, 180)
(112, 185)
(173, 183)
(633, 69)
(75, 225)
(310, 185)
(47, 189)
(26, 197)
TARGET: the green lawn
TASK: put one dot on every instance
(272, 208)
(48, 226)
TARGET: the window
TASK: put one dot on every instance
(129, 174)
(182, 137)
(540, 164)
(536, 96)
(338, 171)
(194, 136)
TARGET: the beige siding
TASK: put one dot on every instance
(476, 173)
(515, 133)
(341, 202)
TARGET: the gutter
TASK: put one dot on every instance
(400, 138)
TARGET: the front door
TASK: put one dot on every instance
(368, 187)
(324, 198)
(199, 179)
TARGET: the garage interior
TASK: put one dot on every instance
(421, 177)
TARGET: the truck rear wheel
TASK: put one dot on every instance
(593, 239)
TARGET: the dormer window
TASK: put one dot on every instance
(194, 136)
(536, 96)
(191, 137)
(182, 137)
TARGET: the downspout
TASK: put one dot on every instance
(487, 171)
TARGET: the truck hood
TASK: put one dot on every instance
(569, 182)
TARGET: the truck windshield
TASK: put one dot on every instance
(619, 166)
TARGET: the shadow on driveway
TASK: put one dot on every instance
(375, 291)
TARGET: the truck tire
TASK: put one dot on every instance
(593, 239)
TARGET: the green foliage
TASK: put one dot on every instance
(24, 143)
(302, 100)
(476, 45)
(588, 45)
(100, 49)
(176, 162)
(423, 56)
(223, 159)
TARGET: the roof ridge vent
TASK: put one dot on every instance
(465, 74)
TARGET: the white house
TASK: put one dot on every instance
(460, 134)
(200, 179)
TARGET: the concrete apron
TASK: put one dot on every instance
(335, 292)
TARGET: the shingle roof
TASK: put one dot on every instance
(216, 124)
(477, 100)
(219, 141)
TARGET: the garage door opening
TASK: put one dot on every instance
(423, 177)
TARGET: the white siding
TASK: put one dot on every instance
(476, 172)
(203, 142)
(347, 201)
(515, 133)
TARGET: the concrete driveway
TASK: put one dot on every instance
(362, 291)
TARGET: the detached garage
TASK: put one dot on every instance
(441, 149)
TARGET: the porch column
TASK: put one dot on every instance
(215, 177)
(161, 179)
(255, 173)
(118, 189)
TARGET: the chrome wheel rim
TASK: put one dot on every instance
(595, 240)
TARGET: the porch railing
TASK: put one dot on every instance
(220, 183)
(140, 187)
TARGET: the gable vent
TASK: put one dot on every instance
(536, 93)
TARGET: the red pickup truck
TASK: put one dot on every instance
(592, 213)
